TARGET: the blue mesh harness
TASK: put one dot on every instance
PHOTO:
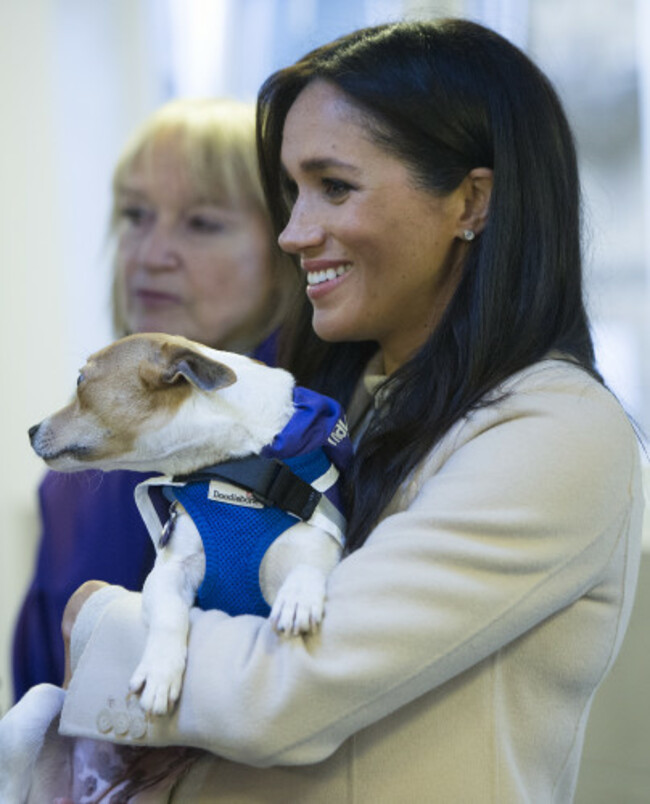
(238, 521)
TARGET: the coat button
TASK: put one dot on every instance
(138, 727)
(121, 723)
(104, 721)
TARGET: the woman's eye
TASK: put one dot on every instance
(335, 189)
(205, 224)
(135, 215)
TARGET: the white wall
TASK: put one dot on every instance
(32, 260)
(75, 78)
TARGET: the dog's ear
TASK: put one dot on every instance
(175, 365)
(199, 370)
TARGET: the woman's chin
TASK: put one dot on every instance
(160, 323)
(333, 327)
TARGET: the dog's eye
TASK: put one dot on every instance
(80, 378)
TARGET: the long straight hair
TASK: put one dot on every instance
(447, 97)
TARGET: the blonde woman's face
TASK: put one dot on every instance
(190, 267)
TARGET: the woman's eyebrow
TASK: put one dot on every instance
(316, 164)
(126, 189)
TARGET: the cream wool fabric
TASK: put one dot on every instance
(461, 646)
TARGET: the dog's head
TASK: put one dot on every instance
(156, 402)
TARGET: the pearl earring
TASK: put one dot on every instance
(468, 235)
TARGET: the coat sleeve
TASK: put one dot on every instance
(513, 518)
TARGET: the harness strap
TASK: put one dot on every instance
(269, 479)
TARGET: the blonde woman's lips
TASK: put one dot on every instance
(154, 298)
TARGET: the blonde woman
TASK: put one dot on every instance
(194, 256)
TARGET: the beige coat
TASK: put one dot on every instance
(461, 647)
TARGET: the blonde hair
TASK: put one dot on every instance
(216, 137)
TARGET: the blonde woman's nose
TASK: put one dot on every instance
(158, 248)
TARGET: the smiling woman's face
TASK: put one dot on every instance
(186, 265)
(380, 254)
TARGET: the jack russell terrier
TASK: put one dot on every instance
(249, 466)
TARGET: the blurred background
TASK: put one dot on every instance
(77, 76)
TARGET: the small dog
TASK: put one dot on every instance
(154, 402)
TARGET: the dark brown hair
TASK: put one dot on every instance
(447, 97)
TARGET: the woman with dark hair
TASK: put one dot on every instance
(445, 100)
(424, 176)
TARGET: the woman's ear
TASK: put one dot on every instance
(478, 190)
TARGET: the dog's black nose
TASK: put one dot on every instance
(32, 432)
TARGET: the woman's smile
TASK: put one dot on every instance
(324, 275)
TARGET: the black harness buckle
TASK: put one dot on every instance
(270, 480)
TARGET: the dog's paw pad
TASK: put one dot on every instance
(293, 619)
(159, 688)
(156, 698)
(300, 603)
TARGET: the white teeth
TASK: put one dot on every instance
(317, 277)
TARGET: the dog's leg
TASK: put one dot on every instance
(22, 731)
(167, 597)
(300, 603)
(293, 577)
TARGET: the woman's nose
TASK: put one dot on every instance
(158, 248)
(301, 232)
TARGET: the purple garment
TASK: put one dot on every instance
(91, 530)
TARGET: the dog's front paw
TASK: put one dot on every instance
(300, 603)
(159, 677)
(22, 731)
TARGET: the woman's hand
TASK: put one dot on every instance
(72, 609)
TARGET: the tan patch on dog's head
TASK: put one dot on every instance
(139, 382)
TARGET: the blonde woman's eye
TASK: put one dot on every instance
(135, 215)
(203, 224)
